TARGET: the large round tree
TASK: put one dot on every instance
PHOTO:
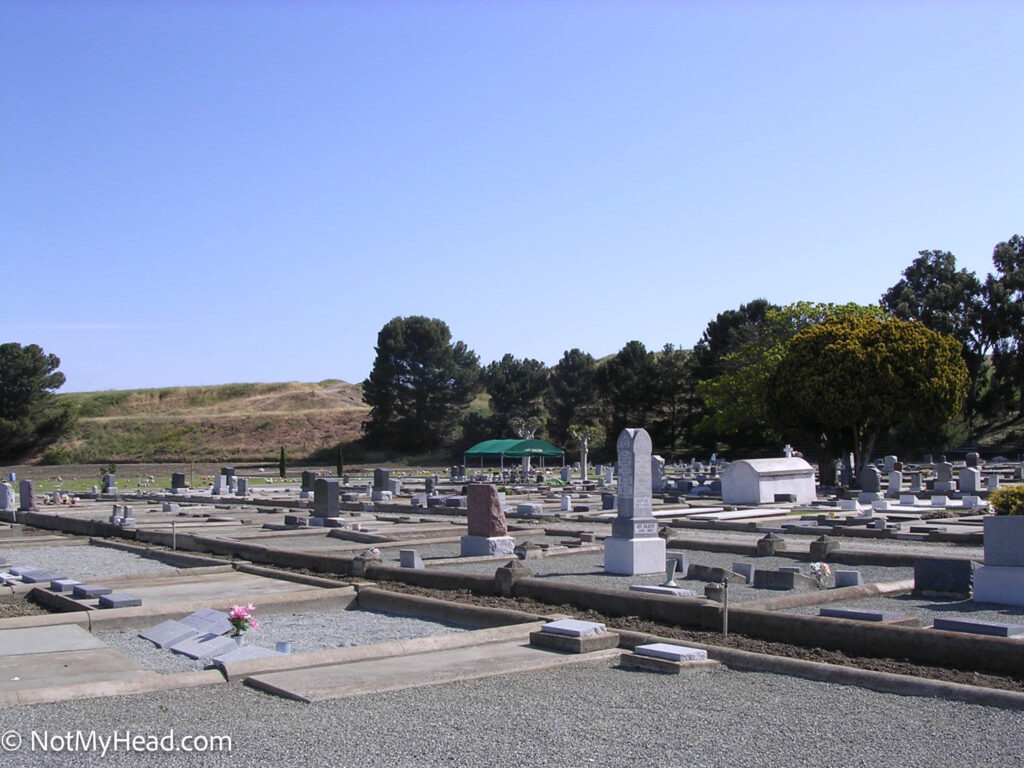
(31, 417)
(420, 383)
(853, 378)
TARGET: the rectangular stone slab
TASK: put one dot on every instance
(86, 591)
(574, 628)
(37, 577)
(857, 615)
(421, 669)
(659, 590)
(569, 644)
(19, 570)
(979, 627)
(671, 652)
(203, 646)
(168, 633)
(207, 621)
(119, 600)
(664, 666)
(34, 640)
(63, 585)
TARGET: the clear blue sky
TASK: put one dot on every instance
(205, 192)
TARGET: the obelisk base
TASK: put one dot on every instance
(632, 557)
(479, 546)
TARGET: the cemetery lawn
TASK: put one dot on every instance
(740, 642)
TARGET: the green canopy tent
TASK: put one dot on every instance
(513, 449)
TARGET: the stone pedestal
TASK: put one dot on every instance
(632, 557)
(479, 546)
(1001, 579)
(999, 584)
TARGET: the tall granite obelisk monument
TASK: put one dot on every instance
(634, 546)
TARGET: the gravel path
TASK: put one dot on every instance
(581, 715)
(928, 610)
(83, 562)
(306, 631)
(588, 568)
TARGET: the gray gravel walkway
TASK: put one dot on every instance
(580, 715)
(306, 631)
(83, 562)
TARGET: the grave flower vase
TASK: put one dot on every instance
(239, 639)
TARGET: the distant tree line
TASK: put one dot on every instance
(941, 352)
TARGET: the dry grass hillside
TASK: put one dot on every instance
(239, 422)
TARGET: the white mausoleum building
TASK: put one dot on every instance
(759, 481)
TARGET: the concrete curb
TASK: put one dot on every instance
(339, 598)
(831, 595)
(143, 684)
(298, 578)
(883, 682)
(170, 557)
(332, 656)
(418, 606)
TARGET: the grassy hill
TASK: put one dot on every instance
(236, 422)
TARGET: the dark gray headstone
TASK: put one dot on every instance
(710, 573)
(307, 480)
(325, 497)
(381, 479)
(935, 574)
(870, 480)
(228, 471)
(972, 459)
(177, 480)
(27, 494)
(783, 580)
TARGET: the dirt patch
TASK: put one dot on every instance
(740, 642)
(10, 609)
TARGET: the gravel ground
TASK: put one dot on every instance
(588, 568)
(928, 610)
(306, 631)
(587, 714)
(83, 562)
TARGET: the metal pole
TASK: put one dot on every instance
(174, 534)
(725, 608)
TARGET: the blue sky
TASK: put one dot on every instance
(206, 192)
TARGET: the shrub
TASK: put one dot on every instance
(1008, 500)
